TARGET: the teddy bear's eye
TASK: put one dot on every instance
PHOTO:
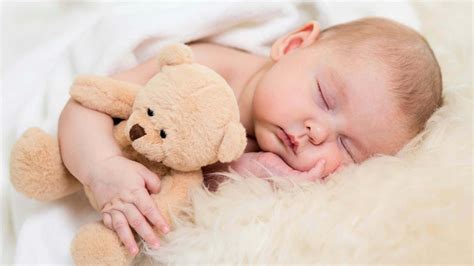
(150, 112)
(162, 134)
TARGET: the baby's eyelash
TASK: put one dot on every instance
(322, 95)
(346, 149)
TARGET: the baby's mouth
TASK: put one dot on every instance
(288, 140)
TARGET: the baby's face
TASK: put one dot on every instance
(315, 103)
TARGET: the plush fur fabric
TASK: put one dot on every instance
(412, 208)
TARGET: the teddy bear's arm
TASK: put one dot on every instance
(107, 95)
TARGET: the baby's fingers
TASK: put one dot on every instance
(107, 219)
(147, 207)
(121, 227)
(152, 181)
(141, 226)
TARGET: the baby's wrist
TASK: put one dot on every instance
(99, 166)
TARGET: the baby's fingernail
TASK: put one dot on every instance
(323, 162)
(133, 250)
(166, 229)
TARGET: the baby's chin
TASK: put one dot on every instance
(296, 163)
(282, 158)
(302, 167)
(302, 164)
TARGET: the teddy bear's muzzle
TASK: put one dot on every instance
(136, 132)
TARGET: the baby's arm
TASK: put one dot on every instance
(260, 164)
(267, 164)
(91, 153)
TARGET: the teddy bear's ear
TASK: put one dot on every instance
(233, 143)
(175, 54)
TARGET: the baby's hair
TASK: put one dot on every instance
(415, 73)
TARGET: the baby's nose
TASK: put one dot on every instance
(318, 132)
(136, 132)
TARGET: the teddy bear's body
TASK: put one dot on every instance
(184, 118)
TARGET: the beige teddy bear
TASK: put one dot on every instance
(184, 118)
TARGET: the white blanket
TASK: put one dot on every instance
(111, 38)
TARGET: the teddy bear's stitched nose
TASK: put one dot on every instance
(136, 132)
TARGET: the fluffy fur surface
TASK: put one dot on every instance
(413, 208)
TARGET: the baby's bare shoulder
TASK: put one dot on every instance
(210, 54)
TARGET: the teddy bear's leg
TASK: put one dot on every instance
(36, 168)
(174, 193)
(95, 244)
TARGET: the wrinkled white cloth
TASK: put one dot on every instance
(112, 38)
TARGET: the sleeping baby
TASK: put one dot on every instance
(320, 101)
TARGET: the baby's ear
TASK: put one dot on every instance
(233, 143)
(175, 54)
(304, 36)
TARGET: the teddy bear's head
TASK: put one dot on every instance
(186, 116)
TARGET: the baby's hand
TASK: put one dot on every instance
(256, 162)
(121, 188)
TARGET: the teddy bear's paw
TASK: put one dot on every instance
(37, 170)
(95, 244)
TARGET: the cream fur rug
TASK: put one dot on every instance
(413, 208)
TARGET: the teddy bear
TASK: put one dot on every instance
(186, 117)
